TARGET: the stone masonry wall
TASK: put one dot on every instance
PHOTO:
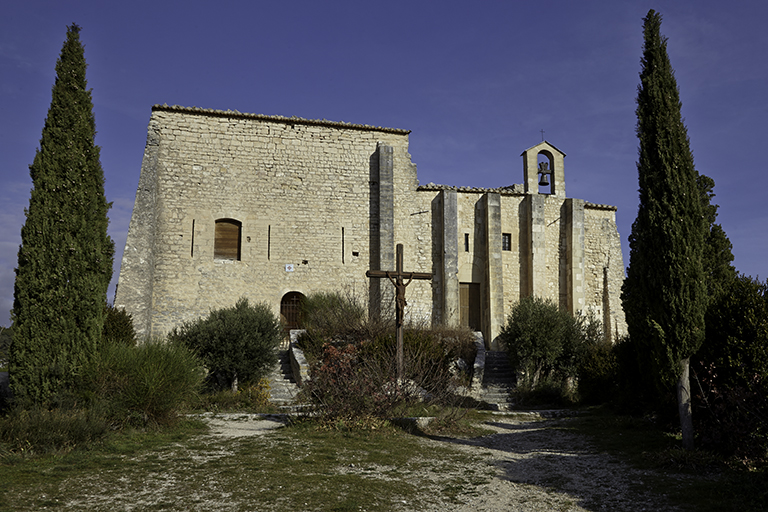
(300, 189)
(604, 268)
(308, 196)
(514, 258)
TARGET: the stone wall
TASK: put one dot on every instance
(604, 268)
(319, 203)
(302, 191)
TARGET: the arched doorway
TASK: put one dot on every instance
(290, 311)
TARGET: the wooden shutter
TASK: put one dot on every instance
(227, 243)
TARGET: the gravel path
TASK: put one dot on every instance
(543, 467)
(536, 466)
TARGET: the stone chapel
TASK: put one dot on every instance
(271, 208)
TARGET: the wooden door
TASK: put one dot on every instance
(469, 305)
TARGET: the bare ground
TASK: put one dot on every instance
(536, 465)
(526, 464)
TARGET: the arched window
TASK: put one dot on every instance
(226, 245)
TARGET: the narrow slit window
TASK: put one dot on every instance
(506, 241)
(466, 242)
(227, 240)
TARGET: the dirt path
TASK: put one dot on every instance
(544, 467)
(536, 466)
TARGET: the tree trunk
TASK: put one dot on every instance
(684, 404)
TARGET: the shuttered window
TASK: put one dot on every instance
(227, 243)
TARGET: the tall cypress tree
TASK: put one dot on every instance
(664, 294)
(718, 255)
(65, 257)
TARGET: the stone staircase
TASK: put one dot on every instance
(282, 386)
(498, 381)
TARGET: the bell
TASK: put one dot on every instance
(544, 181)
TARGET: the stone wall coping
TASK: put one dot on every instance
(595, 206)
(511, 190)
(278, 119)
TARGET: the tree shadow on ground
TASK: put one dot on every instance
(548, 455)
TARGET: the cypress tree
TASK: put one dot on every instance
(664, 294)
(65, 257)
(718, 255)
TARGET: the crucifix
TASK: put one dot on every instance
(398, 279)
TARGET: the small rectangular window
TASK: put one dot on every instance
(506, 241)
(466, 242)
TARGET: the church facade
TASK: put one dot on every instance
(234, 205)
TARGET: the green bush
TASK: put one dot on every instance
(148, 384)
(118, 326)
(237, 344)
(548, 348)
(547, 392)
(543, 342)
(142, 386)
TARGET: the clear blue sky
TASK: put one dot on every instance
(474, 81)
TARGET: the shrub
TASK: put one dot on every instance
(332, 314)
(148, 384)
(38, 431)
(345, 388)
(333, 317)
(248, 398)
(547, 392)
(543, 342)
(430, 357)
(358, 379)
(730, 372)
(637, 392)
(118, 326)
(237, 344)
(353, 363)
(598, 373)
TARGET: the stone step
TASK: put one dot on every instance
(497, 397)
(282, 386)
(498, 381)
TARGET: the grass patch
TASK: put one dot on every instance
(697, 480)
(32, 483)
(300, 467)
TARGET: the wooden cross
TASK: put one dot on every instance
(397, 278)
